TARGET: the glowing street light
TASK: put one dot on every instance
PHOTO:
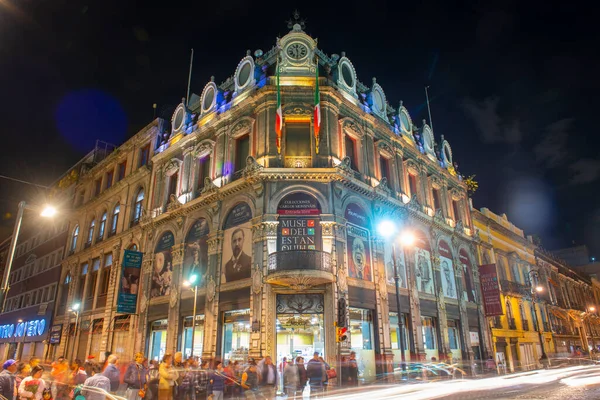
(592, 308)
(539, 289)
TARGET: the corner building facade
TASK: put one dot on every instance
(279, 228)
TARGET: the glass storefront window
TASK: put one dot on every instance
(361, 341)
(158, 339)
(198, 336)
(428, 333)
(395, 337)
(452, 339)
(236, 335)
(300, 335)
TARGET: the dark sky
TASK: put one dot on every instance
(513, 86)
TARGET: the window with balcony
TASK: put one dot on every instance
(91, 233)
(109, 178)
(456, 210)
(437, 199)
(114, 220)
(144, 155)
(102, 227)
(242, 151)
(412, 183)
(203, 171)
(137, 207)
(297, 145)
(384, 169)
(351, 153)
(121, 170)
(74, 239)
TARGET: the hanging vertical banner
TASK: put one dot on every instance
(130, 278)
(162, 273)
(358, 243)
(490, 290)
(447, 270)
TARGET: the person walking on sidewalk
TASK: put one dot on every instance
(352, 370)
(217, 382)
(315, 370)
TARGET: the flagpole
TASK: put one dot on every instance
(428, 108)
(187, 96)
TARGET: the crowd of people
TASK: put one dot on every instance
(171, 379)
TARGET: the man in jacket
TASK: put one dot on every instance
(135, 377)
(7, 379)
(112, 373)
(315, 371)
(268, 378)
(96, 386)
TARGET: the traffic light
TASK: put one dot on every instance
(341, 319)
(341, 334)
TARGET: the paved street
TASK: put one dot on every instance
(571, 383)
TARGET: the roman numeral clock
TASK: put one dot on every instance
(297, 53)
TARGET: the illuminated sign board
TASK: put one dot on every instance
(26, 328)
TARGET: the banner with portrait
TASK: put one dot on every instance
(469, 294)
(447, 270)
(389, 265)
(130, 280)
(162, 271)
(423, 270)
(237, 244)
(358, 243)
(195, 260)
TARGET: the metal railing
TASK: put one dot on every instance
(313, 260)
(515, 288)
(525, 325)
(512, 324)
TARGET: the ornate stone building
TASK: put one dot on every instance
(279, 229)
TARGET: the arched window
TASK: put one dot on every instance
(91, 232)
(137, 207)
(525, 321)
(509, 316)
(102, 226)
(74, 239)
(115, 220)
(133, 247)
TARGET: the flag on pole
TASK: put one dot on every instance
(317, 123)
(279, 115)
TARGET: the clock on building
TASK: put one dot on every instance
(297, 51)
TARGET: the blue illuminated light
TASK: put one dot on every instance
(27, 328)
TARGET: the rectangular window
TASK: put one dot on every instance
(395, 337)
(121, 170)
(412, 182)
(81, 281)
(105, 274)
(456, 210)
(173, 184)
(203, 170)
(97, 186)
(109, 178)
(350, 147)
(428, 326)
(453, 335)
(361, 329)
(384, 168)
(144, 155)
(242, 151)
(297, 140)
(437, 199)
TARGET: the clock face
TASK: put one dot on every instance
(297, 51)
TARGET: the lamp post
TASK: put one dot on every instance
(47, 212)
(75, 310)
(535, 290)
(388, 229)
(192, 281)
(590, 310)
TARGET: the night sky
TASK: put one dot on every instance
(513, 87)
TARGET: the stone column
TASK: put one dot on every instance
(177, 252)
(415, 327)
(444, 352)
(263, 341)
(187, 186)
(486, 332)
(339, 290)
(467, 350)
(211, 309)
(386, 357)
(144, 293)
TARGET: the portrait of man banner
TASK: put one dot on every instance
(237, 245)
(424, 272)
(357, 242)
(162, 271)
(195, 261)
(448, 279)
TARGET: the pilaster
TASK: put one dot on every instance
(177, 252)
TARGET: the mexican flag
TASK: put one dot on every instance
(317, 109)
(279, 116)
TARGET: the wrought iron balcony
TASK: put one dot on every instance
(299, 268)
(512, 323)
(525, 325)
(496, 322)
(514, 288)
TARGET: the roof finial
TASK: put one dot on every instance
(212, 78)
(296, 24)
(400, 106)
(248, 52)
(343, 53)
(374, 81)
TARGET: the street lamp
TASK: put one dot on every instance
(388, 229)
(590, 310)
(535, 291)
(192, 281)
(47, 212)
(75, 310)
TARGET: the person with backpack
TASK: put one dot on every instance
(250, 380)
(96, 386)
(136, 378)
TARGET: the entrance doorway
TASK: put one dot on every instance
(300, 335)
(158, 339)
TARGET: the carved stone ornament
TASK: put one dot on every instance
(143, 303)
(383, 293)
(211, 289)
(173, 204)
(337, 189)
(180, 221)
(383, 185)
(297, 110)
(353, 128)
(327, 228)
(174, 297)
(459, 228)
(241, 127)
(385, 147)
(341, 279)
(414, 204)
(257, 279)
(441, 301)
(209, 186)
(172, 166)
(345, 164)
